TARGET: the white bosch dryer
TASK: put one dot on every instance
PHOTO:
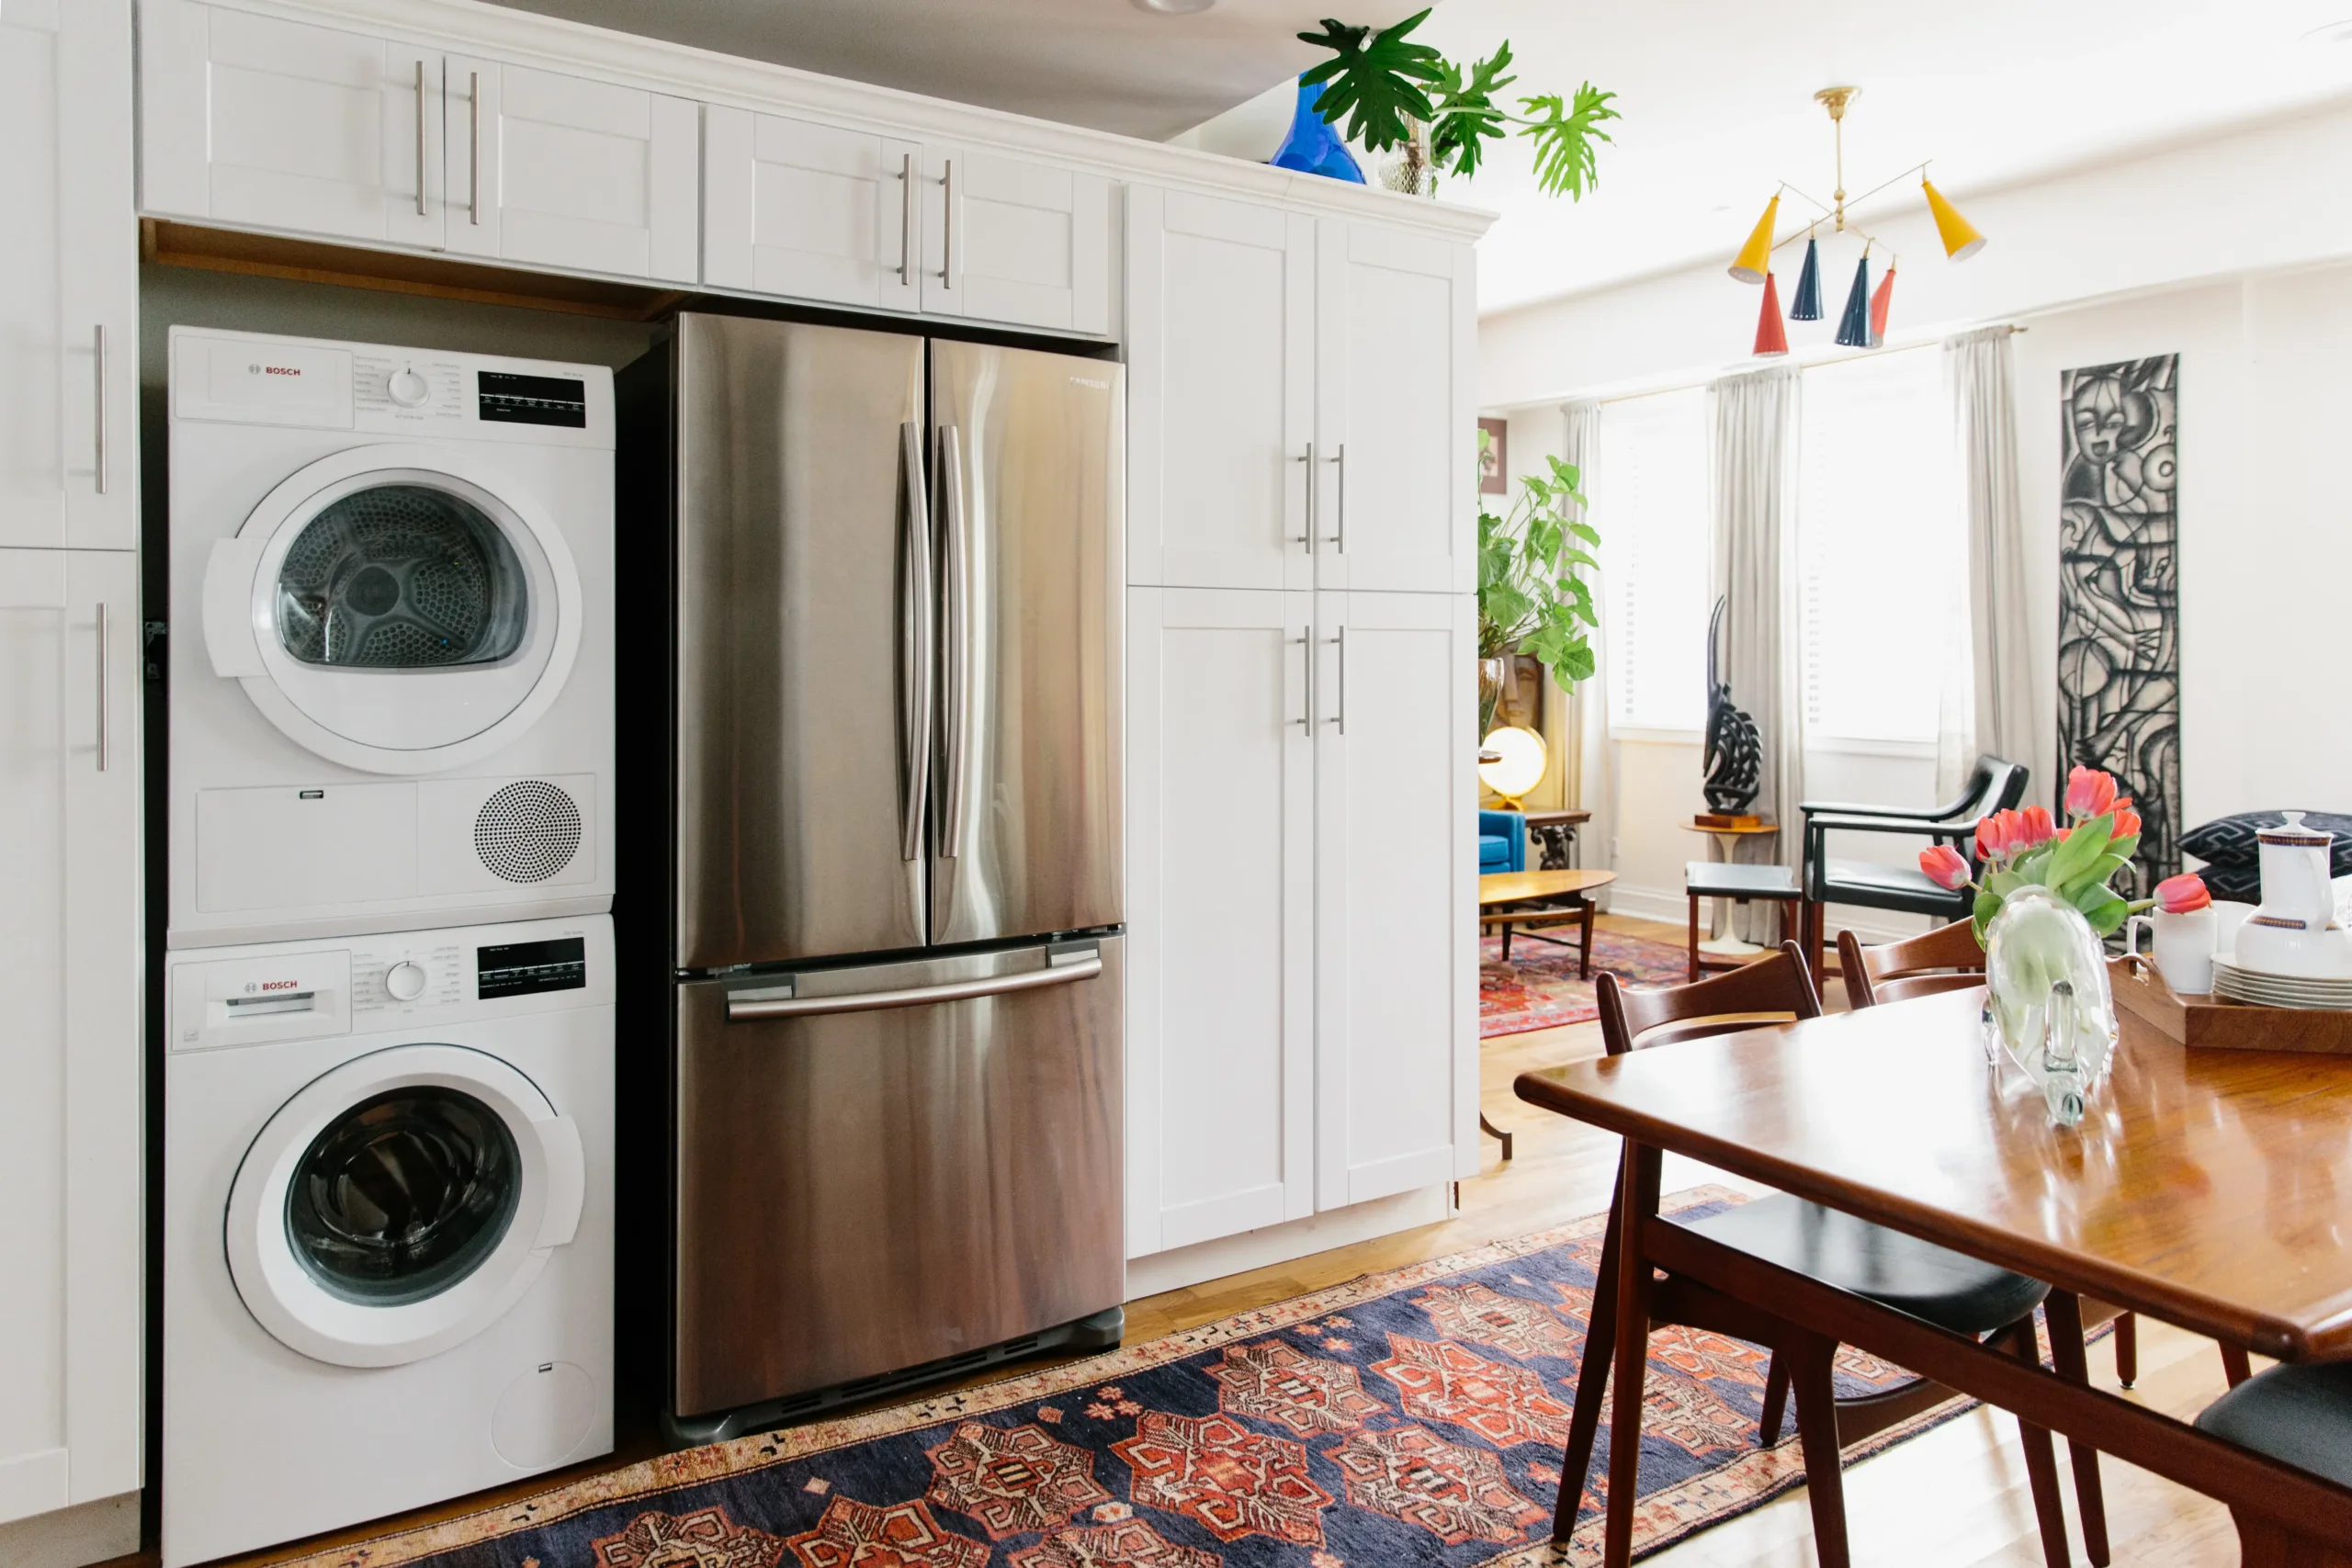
(390, 638)
(388, 1224)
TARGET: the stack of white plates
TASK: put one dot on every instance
(2279, 990)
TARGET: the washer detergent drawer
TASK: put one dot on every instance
(870, 1188)
(295, 847)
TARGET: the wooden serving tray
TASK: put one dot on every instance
(2219, 1022)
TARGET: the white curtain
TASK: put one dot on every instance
(2001, 710)
(1754, 565)
(1591, 781)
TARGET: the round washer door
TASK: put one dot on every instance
(399, 1204)
(396, 609)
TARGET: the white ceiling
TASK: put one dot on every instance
(1717, 97)
(1105, 63)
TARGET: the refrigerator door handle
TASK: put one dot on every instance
(915, 651)
(749, 1006)
(958, 675)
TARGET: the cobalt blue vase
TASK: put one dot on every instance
(1313, 146)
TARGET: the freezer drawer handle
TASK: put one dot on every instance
(1056, 973)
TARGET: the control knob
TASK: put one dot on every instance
(405, 981)
(407, 387)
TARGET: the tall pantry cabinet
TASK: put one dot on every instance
(1302, 1028)
(71, 1132)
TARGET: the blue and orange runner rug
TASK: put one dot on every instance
(1413, 1416)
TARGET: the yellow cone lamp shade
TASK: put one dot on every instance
(1521, 766)
(1960, 236)
(1755, 256)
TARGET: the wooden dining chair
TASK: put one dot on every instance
(2298, 1415)
(1948, 959)
(1946, 1288)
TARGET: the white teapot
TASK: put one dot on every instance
(2298, 886)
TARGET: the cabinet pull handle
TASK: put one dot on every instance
(906, 219)
(1306, 720)
(947, 227)
(1340, 537)
(98, 348)
(420, 138)
(473, 176)
(1307, 538)
(1341, 718)
(102, 687)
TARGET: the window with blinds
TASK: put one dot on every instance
(1649, 500)
(1881, 547)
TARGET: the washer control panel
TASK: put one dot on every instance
(253, 996)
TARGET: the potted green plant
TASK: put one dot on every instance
(1533, 596)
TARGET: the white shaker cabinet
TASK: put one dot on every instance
(560, 171)
(812, 211)
(1007, 239)
(1395, 876)
(1395, 412)
(70, 1123)
(1220, 391)
(69, 281)
(254, 120)
(1220, 937)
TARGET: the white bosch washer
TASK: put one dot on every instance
(388, 1224)
(391, 637)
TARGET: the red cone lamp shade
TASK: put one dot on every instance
(1771, 337)
(1880, 301)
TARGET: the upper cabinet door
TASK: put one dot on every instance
(1221, 391)
(281, 125)
(1396, 421)
(558, 171)
(1009, 240)
(69, 282)
(810, 211)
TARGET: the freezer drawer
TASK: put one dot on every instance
(865, 1190)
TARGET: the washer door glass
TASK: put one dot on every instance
(402, 577)
(403, 1195)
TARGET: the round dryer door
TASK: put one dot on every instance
(400, 1204)
(395, 609)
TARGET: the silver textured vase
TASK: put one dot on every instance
(2048, 1001)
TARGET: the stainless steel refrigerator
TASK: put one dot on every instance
(888, 813)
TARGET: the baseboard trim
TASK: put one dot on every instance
(1671, 906)
(74, 1536)
(1182, 1266)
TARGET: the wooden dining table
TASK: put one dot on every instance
(2211, 1189)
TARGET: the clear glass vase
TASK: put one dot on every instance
(2048, 1001)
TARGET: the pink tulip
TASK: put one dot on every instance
(1945, 866)
(2088, 792)
(1994, 835)
(2127, 821)
(2181, 895)
(2035, 828)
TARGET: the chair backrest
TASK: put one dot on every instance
(2002, 786)
(1774, 985)
(1945, 959)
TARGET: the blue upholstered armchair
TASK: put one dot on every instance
(1502, 842)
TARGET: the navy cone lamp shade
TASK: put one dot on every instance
(1805, 306)
(1854, 326)
(1771, 337)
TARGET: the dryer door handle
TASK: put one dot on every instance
(229, 607)
(567, 1181)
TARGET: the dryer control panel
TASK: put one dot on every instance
(254, 995)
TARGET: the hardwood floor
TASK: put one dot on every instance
(1953, 1498)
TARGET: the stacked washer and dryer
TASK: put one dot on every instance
(388, 1102)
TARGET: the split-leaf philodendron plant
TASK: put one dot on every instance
(1386, 86)
(1532, 597)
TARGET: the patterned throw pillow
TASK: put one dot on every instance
(2238, 884)
(2230, 840)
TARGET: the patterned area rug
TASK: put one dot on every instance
(1415, 1416)
(1539, 988)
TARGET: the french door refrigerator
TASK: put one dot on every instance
(889, 964)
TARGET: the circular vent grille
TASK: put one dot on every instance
(527, 831)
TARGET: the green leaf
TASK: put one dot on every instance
(1566, 161)
(2102, 910)
(1585, 531)
(1987, 905)
(2079, 851)
(1375, 81)
(1466, 117)
(2001, 883)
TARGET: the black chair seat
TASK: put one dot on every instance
(1886, 887)
(2299, 1416)
(1930, 1282)
(1715, 879)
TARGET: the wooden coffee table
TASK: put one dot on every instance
(1516, 899)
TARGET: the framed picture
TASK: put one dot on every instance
(1494, 458)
